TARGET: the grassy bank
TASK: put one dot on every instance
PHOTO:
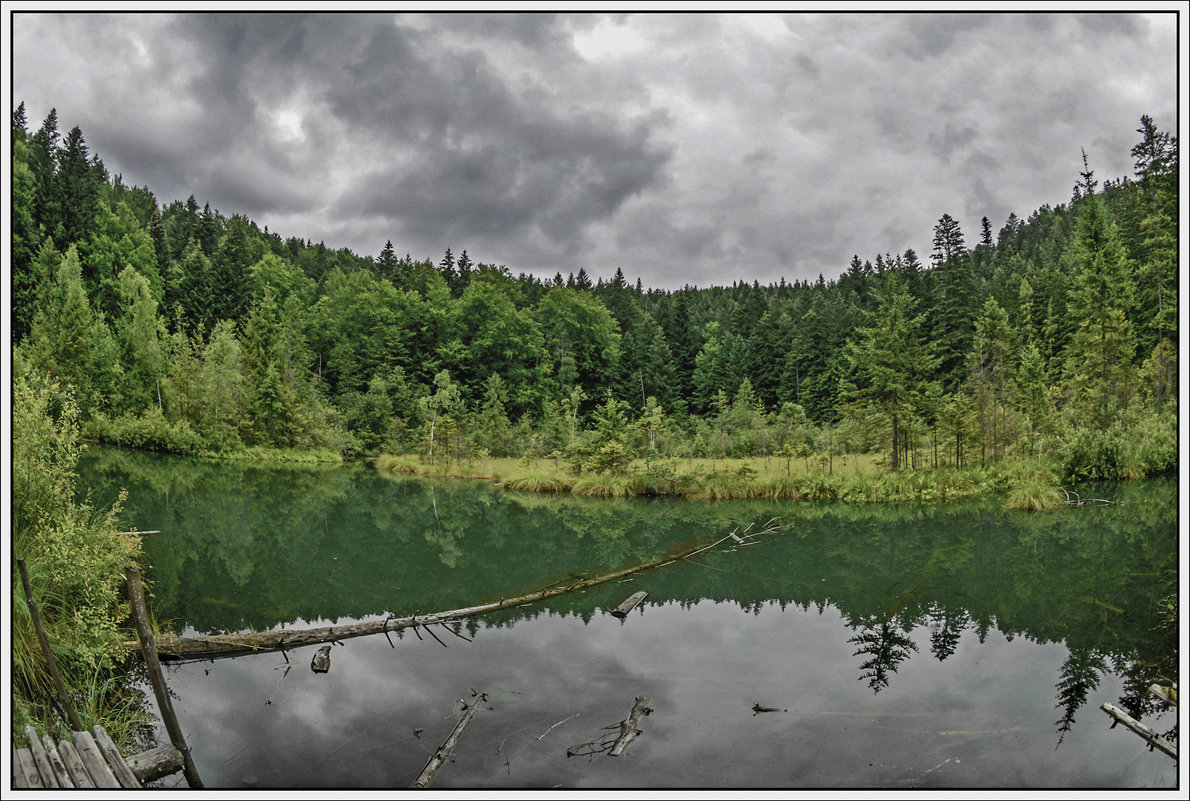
(854, 479)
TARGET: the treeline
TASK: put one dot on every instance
(182, 329)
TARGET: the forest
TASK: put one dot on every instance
(174, 327)
(171, 327)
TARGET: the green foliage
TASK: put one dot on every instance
(1140, 445)
(237, 337)
(74, 555)
(149, 431)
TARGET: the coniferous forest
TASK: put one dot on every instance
(176, 327)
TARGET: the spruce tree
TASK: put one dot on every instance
(892, 361)
(1099, 359)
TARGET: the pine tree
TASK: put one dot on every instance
(953, 294)
(991, 375)
(230, 272)
(77, 191)
(1099, 358)
(43, 162)
(61, 334)
(892, 361)
(386, 263)
(27, 237)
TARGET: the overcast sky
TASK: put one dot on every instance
(684, 149)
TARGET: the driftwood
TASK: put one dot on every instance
(321, 662)
(629, 604)
(628, 729)
(155, 763)
(439, 757)
(1074, 499)
(227, 645)
(1151, 737)
(1164, 693)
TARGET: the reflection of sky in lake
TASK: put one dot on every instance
(985, 717)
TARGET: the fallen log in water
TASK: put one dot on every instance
(614, 746)
(1151, 737)
(439, 757)
(628, 729)
(629, 604)
(218, 646)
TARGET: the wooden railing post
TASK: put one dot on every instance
(144, 632)
(35, 613)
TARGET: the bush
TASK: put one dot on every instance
(150, 432)
(612, 458)
(74, 555)
(1138, 445)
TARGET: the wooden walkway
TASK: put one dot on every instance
(91, 761)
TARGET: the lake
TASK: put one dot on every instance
(847, 647)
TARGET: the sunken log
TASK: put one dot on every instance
(629, 604)
(156, 763)
(628, 729)
(321, 662)
(218, 646)
(439, 757)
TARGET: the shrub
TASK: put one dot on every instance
(74, 555)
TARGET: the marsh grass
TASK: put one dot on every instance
(856, 479)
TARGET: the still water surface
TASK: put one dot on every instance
(906, 647)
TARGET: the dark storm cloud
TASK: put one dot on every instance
(683, 148)
(488, 162)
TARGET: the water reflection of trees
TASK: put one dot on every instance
(885, 647)
(250, 547)
(1077, 678)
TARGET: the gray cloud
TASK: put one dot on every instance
(685, 148)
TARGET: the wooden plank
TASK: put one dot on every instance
(101, 774)
(116, 762)
(74, 765)
(155, 763)
(629, 604)
(60, 773)
(41, 759)
(24, 770)
(1154, 739)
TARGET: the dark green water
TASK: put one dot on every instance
(956, 646)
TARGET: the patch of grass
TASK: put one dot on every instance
(856, 479)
